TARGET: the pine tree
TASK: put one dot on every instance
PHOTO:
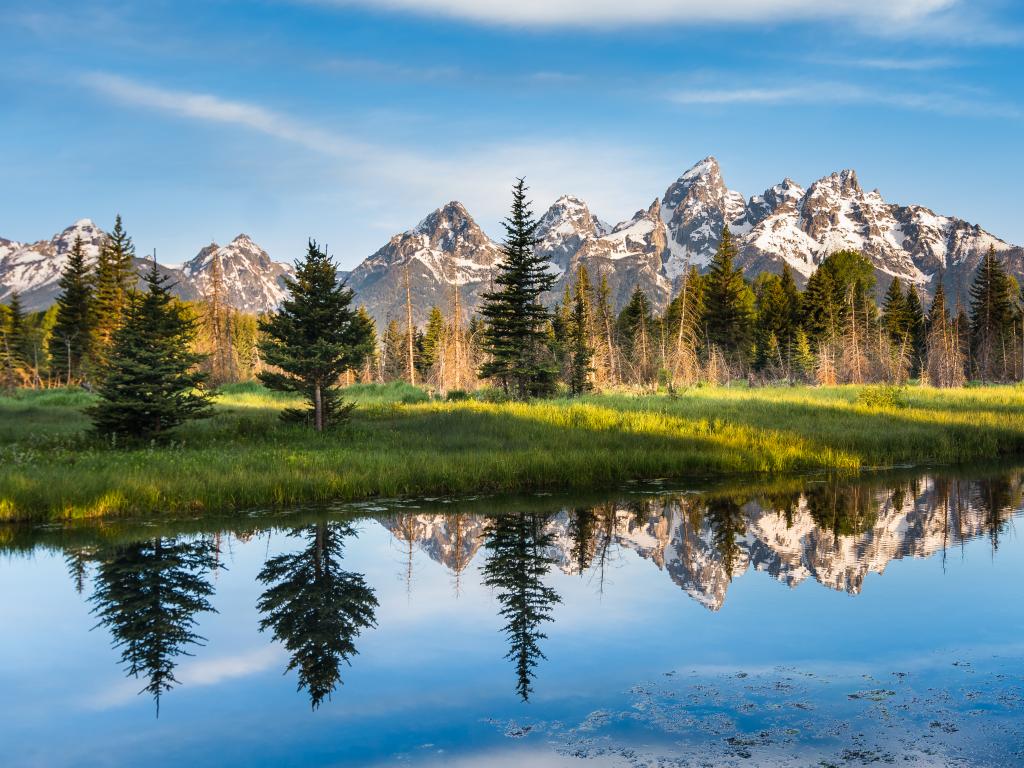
(433, 341)
(516, 322)
(393, 353)
(518, 559)
(313, 338)
(580, 351)
(17, 332)
(71, 337)
(775, 322)
(147, 595)
(992, 318)
(896, 314)
(370, 370)
(728, 304)
(151, 382)
(315, 608)
(607, 365)
(115, 279)
(944, 354)
(682, 323)
(633, 330)
(918, 330)
(804, 364)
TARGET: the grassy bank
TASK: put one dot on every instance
(399, 443)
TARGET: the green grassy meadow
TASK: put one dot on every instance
(402, 443)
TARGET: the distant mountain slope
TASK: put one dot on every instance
(786, 224)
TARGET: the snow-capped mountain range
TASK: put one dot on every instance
(252, 282)
(680, 539)
(787, 224)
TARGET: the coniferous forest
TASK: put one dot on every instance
(734, 375)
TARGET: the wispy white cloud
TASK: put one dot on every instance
(210, 108)
(195, 674)
(597, 13)
(810, 93)
(895, 64)
(399, 184)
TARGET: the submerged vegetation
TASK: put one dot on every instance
(401, 442)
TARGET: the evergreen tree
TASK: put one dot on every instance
(918, 330)
(71, 337)
(682, 328)
(147, 595)
(516, 322)
(944, 354)
(580, 351)
(432, 348)
(776, 321)
(634, 331)
(151, 382)
(18, 333)
(728, 304)
(992, 318)
(370, 370)
(804, 364)
(896, 314)
(517, 563)
(313, 338)
(116, 277)
(393, 351)
(316, 608)
(607, 366)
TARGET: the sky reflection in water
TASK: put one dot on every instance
(646, 627)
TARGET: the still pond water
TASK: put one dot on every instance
(811, 622)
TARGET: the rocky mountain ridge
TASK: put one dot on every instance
(449, 253)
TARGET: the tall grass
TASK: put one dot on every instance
(402, 443)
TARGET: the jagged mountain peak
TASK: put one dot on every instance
(451, 214)
(564, 227)
(707, 167)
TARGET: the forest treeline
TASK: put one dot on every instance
(718, 327)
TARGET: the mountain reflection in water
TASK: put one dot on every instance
(149, 584)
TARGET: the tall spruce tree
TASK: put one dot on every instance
(515, 321)
(992, 318)
(313, 338)
(147, 596)
(918, 330)
(518, 559)
(18, 336)
(581, 353)
(115, 278)
(71, 336)
(316, 608)
(896, 314)
(393, 365)
(634, 330)
(728, 304)
(432, 348)
(151, 382)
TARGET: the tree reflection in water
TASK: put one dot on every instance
(147, 594)
(316, 608)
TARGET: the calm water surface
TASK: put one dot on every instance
(809, 622)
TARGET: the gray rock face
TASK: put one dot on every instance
(444, 251)
(252, 282)
(784, 225)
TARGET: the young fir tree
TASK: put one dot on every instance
(71, 336)
(17, 333)
(151, 382)
(634, 331)
(992, 318)
(918, 330)
(518, 559)
(774, 324)
(944, 361)
(392, 353)
(313, 338)
(432, 348)
(581, 353)
(804, 364)
(896, 314)
(728, 304)
(115, 279)
(316, 608)
(147, 596)
(516, 322)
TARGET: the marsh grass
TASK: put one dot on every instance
(402, 443)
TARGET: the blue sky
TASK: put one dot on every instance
(350, 120)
